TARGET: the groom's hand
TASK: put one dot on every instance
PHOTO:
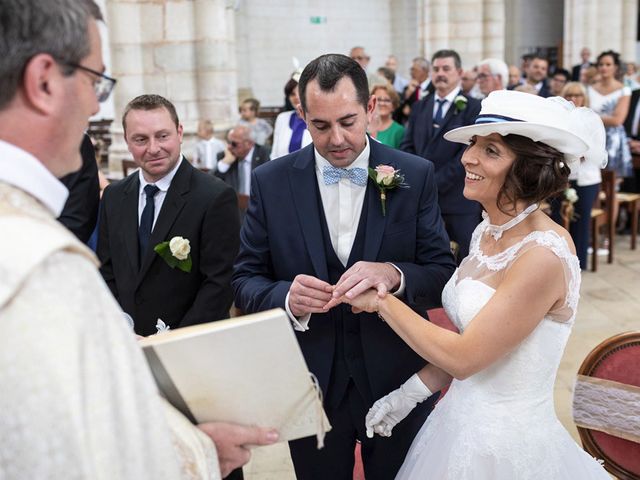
(308, 294)
(362, 276)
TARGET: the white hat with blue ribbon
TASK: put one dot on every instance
(507, 112)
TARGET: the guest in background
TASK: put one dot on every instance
(468, 84)
(576, 71)
(632, 128)
(585, 178)
(609, 98)
(493, 74)
(242, 157)
(386, 130)
(359, 55)
(387, 74)
(515, 77)
(419, 87)
(400, 82)
(290, 133)
(208, 148)
(558, 80)
(261, 129)
(589, 76)
(631, 76)
(537, 75)
(447, 108)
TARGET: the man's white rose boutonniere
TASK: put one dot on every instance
(176, 252)
(460, 102)
(385, 177)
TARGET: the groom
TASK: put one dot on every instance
(315, 230)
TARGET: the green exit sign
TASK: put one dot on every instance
(317, 20)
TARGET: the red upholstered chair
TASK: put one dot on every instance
(617, 359)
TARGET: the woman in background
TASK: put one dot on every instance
(260, 128)
(290, 132)
(384, 128)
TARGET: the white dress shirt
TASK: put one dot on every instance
(163, 184)
(24, 171)
(446, 105)
(342, 204)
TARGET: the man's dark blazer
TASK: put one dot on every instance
(81, 210)
(628, 122)
(421, 138)
(231, 177)
(544, 91)
(575, 72)
(197, 207)
(282, 237)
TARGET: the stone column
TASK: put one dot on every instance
(599, 25)
(180, 49)
(474, 28)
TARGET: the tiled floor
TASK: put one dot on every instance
(609, 304)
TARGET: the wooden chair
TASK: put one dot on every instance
(607, 193)
(598, 219)
(617, 360)
(243, 202)
(128, 166)
(630, 200)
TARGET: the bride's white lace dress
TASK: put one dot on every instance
(500, 423)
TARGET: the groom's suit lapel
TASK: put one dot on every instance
(376, 223)
(304, 186)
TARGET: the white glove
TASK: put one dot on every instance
(388, 411)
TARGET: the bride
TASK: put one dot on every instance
(514, 302)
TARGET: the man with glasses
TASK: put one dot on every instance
(77, 399)
(493, 74)
(359, 55)
(242, 157)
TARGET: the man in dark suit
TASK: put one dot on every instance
(316, 230)
(243, 156)
(166, 198)
(81, 210)
(585, 55)
(537, 75)
(419, 87)
(430, 119)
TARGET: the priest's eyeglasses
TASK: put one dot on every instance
(103, 84)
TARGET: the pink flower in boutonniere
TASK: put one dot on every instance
(385, 177)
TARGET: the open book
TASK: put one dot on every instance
(247, 370)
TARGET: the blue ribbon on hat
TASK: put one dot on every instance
(331, 175)
(492, 118)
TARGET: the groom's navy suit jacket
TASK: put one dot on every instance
(283, 236)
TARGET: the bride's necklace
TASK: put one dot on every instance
(496, 231)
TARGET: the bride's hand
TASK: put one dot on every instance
(365, 302)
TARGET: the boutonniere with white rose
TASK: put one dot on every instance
(460, 102)
(385, 177)
(176, 252)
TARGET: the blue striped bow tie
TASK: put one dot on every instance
(331, 175)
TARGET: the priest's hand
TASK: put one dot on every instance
(234, 441)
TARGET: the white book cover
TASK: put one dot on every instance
(247, 370)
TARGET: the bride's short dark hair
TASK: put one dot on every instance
(538, 172)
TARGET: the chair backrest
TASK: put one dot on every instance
(609, 377)
(243, 202)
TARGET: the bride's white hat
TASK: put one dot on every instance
(541, 119)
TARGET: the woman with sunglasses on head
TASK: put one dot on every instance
(514, 301)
